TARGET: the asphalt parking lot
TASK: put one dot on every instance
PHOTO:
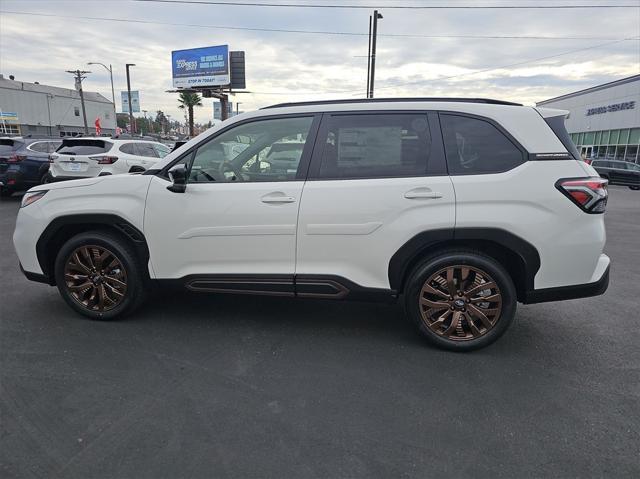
(232, 386)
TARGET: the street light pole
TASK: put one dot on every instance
(79, 77)
(376, 16)
(113, 93)
(133, 126)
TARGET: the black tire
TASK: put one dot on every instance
(478, 266)
(45, 178)
(5, 193)
(128, 264)
(634, 188)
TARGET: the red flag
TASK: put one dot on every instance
(98, 127)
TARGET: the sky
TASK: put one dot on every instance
(421, 52)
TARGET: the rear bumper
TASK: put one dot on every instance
(575, 291)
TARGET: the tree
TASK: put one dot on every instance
(188, 100)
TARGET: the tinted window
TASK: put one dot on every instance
(375, 146)
(145, 149)
(128, 148)
(84, 147)
(6, 146)
(475, 146)
(39, 146)
(243, 152)
(53, 145)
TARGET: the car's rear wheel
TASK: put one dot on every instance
(461, 300)
(98, 274)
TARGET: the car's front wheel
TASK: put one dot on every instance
(634, 188)
(461, 300)
(99, 275)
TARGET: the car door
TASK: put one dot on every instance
(147, 154)
(234, 227)
(377, 179)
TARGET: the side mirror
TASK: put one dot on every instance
(178, 178)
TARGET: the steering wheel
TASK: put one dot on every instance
(228, 166)
(206, 175)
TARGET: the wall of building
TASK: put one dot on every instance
(604, 121)
(48, 110)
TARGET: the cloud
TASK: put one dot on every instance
(287, 66)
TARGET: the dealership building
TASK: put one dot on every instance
(604, 121)
(35, 109)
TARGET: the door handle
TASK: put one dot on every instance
(281, 198)
(422, 193)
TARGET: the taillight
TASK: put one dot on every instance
(590, 194)
(52, 158)
(104, 160)
(588, 161)
(16, 158)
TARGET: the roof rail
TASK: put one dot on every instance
(393, 100)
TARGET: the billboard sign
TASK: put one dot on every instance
(135, 101)
(200, 67)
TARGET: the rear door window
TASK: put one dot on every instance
(146, 149)
(376, 145)
(39, 146)
(84, 147)
(7, 146)
(129, 149)
(476, 146)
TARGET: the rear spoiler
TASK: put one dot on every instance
(555, 119)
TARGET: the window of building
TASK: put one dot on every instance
(375, 146)
(76, 111)
(475, 146)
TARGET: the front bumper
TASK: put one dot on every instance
(573, 291)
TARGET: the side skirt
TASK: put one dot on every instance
(298, 286)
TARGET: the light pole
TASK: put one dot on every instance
(133, 126)
(144, 112)
(376, 16)
(113, 93)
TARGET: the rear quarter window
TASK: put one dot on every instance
(84, 147)
(7, 146)
(475, 146)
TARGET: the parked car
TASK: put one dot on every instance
(24, 162)
(89, 157)
(458, 208)
(623, 173)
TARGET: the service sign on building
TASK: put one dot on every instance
(200, 67)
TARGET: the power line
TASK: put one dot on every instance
(387, 7)
(311, 32)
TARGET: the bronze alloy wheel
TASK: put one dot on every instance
(460, 303)
(95, 278)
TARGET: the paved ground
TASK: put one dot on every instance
(205, 386)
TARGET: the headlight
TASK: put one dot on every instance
(32, 197)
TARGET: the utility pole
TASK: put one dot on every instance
(146, 124)
(376, 16)
(369, 60)
(133, 125)
(79, 77)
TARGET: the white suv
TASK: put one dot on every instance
(462, 208)
(88, 157)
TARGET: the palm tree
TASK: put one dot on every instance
(188, 100)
